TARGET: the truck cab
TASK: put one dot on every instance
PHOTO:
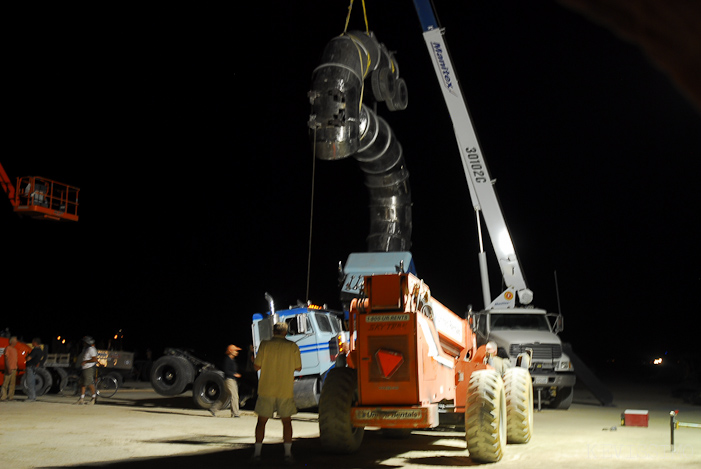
(319, 333)
(518, 330)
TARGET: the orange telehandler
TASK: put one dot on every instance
(415, 364)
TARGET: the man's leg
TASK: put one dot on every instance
(5, 384)
(260, 429)
(13, 380)
(83, 381)
(234, 395)
(287, 439)
(260, 434)
(286, 429)
(31, 384)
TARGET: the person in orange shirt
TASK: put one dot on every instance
(8, 386)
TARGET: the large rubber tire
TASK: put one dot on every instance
(485, 416)
(58, 375)
(518, 389)
(209, 389)
(338, 394)
(70, 385)
(170, 375)
(42, 380)
(563, 399)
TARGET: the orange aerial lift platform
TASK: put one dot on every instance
(38, 197)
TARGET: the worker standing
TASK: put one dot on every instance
(495, 361)
(88, 365)
(8, 385)
(277, 360)
(231, 374)
(35, 359)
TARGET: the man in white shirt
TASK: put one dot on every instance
(88, 365)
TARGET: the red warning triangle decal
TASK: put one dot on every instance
(388, 361)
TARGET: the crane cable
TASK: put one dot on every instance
(311, 215)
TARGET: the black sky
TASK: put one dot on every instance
(186, 131)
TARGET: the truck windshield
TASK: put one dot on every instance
(323, 322)
(501, 322)
(329, 323)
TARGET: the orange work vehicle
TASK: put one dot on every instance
(414, 364)
(44, 380)
(38, 197)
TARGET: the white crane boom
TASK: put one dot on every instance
(484, 198)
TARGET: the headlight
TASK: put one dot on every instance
(565, 365)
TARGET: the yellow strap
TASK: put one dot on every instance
(360, 55)
(365, 15)
(365, 71)
(350, 8)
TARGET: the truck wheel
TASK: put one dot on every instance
(42, 381)
(336, 433)
(485, 416)
(563, 399)
(170, 375)
(209, 389)
(69, 385)
(47, 381)
(518, 389)
(57, 376)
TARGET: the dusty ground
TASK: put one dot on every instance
(140, 429)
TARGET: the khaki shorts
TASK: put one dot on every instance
(87, 376)
(266, 406)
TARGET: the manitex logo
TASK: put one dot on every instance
(441, 57)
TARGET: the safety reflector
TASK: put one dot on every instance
(388, 361)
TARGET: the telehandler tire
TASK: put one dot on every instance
(336, 433)
(518, 389)
(170, 375)
(485, 416)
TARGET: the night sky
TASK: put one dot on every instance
(185, 130)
